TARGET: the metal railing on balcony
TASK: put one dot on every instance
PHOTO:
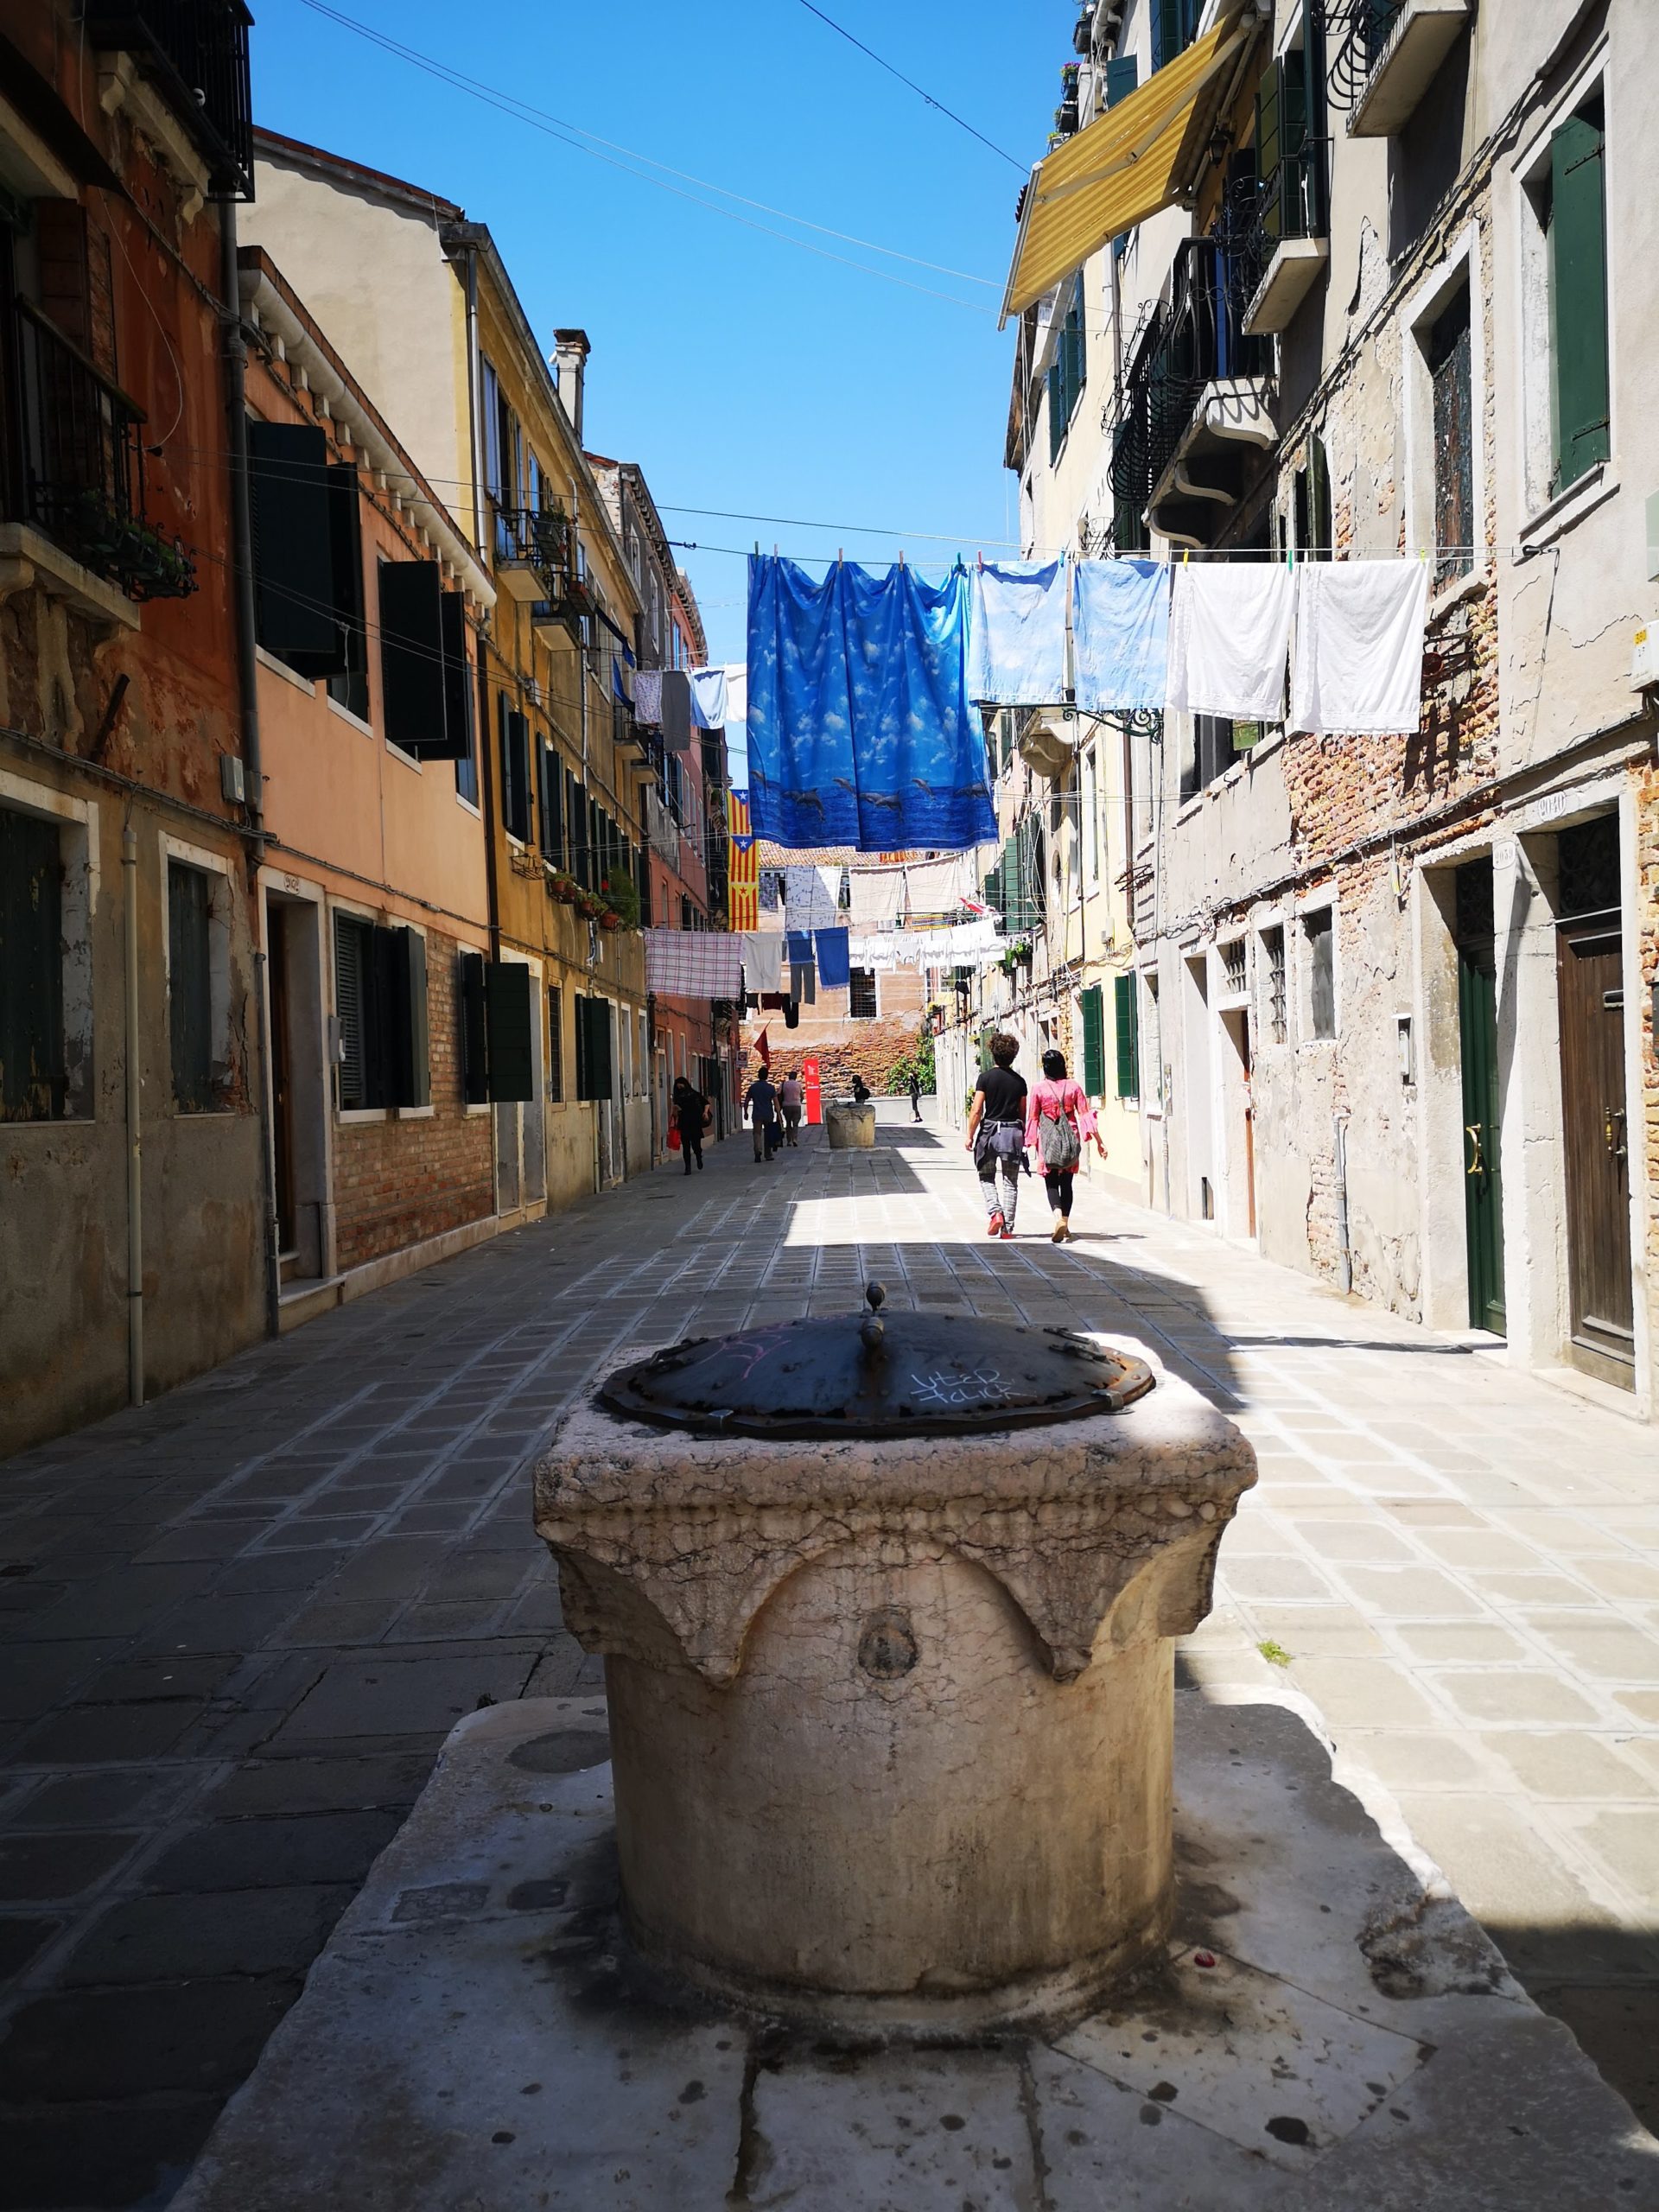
(1195, 339)
(196, 52)
(1294, 202)
(82, 466)
(536, 539)
(1356, 33)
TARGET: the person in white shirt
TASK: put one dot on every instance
(789, 1098)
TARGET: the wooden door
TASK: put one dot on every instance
(1482, 1180)
(282, 1080)
(1589, 979)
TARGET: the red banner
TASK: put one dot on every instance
(814, 1095)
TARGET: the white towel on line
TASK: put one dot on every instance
(1359, 647)
(763, 960)
(1228, 636)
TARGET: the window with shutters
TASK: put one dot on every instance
(593, 1060)
(1174, 27)
(1319, 962)
(198, 983)
(1312, 503)
(306, 586)
(34, 1074)
(860, 994)
(1566, 362)
(555, 1043)
(425, 694)
(551, 800)
(513, 734)
(1126, 1017)
(381, 1034)
(1093, 1004)
(1211, 750)
(1068, 370)
(1275, 1012)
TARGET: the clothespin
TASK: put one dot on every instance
(1186, 555)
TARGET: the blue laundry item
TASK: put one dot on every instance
(834, 970)
(1120, 635)
(709, 697)
(800, 947)
(1016, 655)
(860, 729)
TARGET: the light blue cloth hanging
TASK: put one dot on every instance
(1120, 635)
(708, 704)
(1016, 655)
(860, 729)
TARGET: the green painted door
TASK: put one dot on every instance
(1483, 1186)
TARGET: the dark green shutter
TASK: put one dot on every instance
(1174, 23)
(1122, 78)
(1269, 141)
(189, 990)
(1056, 410)
(593, 1048)
(515, 772)
(1093, 1041)
(552, 801)
(508, 1013)
(411, 1077)
(32, 1072)
(413, 700)
(1127, 1018)
(456, 743)
(1578, 298)
(474, 1048)
(293, 546)
(349, 1012)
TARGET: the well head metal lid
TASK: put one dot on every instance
(877, 1375)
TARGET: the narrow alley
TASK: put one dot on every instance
(242, 1621)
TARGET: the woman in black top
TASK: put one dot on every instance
(691, 1112)
(996, 1134)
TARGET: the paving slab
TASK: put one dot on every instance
(1329, 2029)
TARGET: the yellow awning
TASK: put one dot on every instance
(1128, 163)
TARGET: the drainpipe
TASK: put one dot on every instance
(135, 1129)
(1344, 1248)
(236, 365)
(485, 773)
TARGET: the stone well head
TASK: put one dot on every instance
(887, 1605)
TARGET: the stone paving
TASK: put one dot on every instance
(241, 1621)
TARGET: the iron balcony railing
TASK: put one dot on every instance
(1196, 339)
(196, 51)
(1357, 32)
(1294, 201)
(537, 539)
(82, 466)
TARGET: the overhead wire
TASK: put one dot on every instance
(617, 156)
(921, 91)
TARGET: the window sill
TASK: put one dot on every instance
(1264, 746)
(349, 1116)
(306, 683)
(408, 758)
(1568, 508)
(201, 1112)
(346, 714)
(1189, 807)
(469, 806)
(1453, 594)
(415, 1113)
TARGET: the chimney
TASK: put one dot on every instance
(570, 351)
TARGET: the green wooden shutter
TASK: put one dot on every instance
(1578, 298)
(508, 1012)
(1122, 78)
(455, 742)
(411, 1050)
(593, 1048)
(1056, 410)
(1093, 1041)
(474, 1048)
(189, 990)
(1269, 141)
(414, 698)
(293, 547)
(1127, 1019)
(33, 1081)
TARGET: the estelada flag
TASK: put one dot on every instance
(743, 865)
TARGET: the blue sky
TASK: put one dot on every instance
(741, 371)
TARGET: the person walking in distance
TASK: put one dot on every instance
(996, 1135)
(1058, 1123)
(692, 1114)
(760, 1105)
(915, 1096)
(790, 1095)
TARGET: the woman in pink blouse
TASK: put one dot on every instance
(1059, 1122)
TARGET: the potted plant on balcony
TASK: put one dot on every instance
(622, 898)
(564, 887)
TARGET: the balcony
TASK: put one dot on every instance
(1196, 405)
(532, 555)
(80, 479)
(195, 54)
(1292, 237)
(1385, 55)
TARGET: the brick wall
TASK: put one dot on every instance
(411, 1177)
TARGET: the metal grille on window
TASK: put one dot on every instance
(861, 999)
(1321, 955)
(351, 942)
(1232, 962)
(1587, 860)
(1450, 376)
(189, 988)
(1273, 951)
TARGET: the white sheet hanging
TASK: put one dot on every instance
(1359, 647)
(878, 897)
(708, 690)
(1228, 636)
(763, 960)
(1016, 645)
